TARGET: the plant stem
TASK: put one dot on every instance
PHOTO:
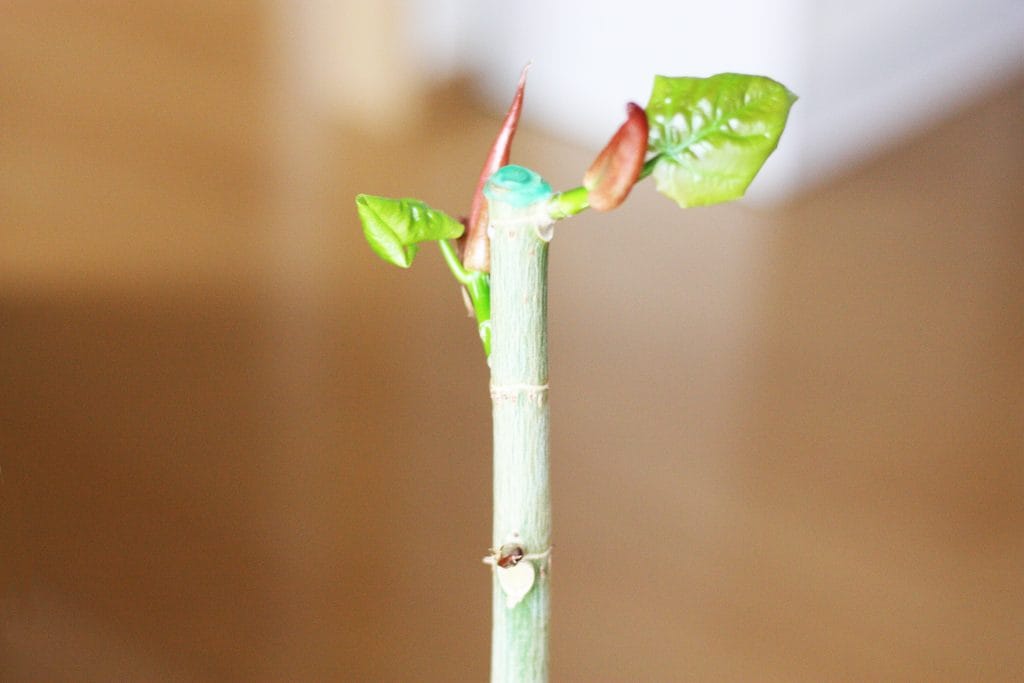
(519, 376)
(478, 287)
(568, 203)
(648, 167)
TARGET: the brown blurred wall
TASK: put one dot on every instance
(788, 445)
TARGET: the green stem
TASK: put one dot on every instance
(478, 286)
(648, 167)
(452, 259)
(568, 203)
(519, 376)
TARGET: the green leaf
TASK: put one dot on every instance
(712, 135)
(395, 227)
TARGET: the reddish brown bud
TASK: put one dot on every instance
(615, 170)
(474, 245)
(509, 555)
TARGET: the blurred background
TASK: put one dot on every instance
(787, 433)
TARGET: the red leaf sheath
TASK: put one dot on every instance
(615, 170)
(475, 247)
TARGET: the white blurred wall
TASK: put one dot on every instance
(867, 73)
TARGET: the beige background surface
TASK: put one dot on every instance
(788, 445)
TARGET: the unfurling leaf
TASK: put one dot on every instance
(395, 227)
(712, 135)
(615, 170)
(475, 247)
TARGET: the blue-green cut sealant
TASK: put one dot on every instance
(516, 186)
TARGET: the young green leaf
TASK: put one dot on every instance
(712, 135)
(395, 227)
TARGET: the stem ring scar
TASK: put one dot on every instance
(510, 391)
